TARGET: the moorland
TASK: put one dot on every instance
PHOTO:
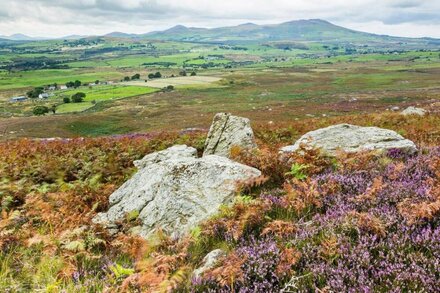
(355, 222)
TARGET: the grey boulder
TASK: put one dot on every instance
(174, 190)
(351, 139)
(174, 152)
(209, 262)
(413, 111)
(227, 131)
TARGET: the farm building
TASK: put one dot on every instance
(43, 96)
(18, 99)
(63, 87)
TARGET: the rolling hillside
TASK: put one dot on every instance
(313, 30)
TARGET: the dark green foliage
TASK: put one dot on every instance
(33, 94)
(74, 84)
(78, 97)
(154, 75)
(40, 110)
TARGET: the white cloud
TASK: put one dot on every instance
(62, 17)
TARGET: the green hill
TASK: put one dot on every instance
(313, 30)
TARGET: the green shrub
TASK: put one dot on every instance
(40, 110)
(78, 97)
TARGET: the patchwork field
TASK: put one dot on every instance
(260, 81)
(183, 81)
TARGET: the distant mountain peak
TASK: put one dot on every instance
(177, 29)
(248, 24)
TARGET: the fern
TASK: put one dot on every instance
(297, 171)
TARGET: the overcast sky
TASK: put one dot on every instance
(50, 18)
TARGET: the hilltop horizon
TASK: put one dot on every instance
(18, 36)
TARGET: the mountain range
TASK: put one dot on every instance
(311, 30)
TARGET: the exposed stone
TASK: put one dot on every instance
(174, 152)
(209, 262)
(413, 111)
(227, 131)
(352, 138)
(175, 190)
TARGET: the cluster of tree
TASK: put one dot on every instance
(99, 51)
(34, 64)
(184, 73)
(42, 110)
(74, 84)
(83, 42)
(137, 76)
(237, 48)
(168, 88)
(76, 98)
(154, 75)
(160, 64)
(33, 94)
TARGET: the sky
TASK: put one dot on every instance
(50, 18)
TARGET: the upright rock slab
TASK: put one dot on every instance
(227, 131)
(174, 190)
(351, 139)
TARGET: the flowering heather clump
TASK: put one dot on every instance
(370, 225)
(375, 246)
(255, 266)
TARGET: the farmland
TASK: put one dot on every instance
(270, 82)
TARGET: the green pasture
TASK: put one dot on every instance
(33, 78)
(99, 94)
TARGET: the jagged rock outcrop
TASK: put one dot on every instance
(227, 131)
(174, 152)
(209, 261)
(351, 138)
(175, 190)
(414, 111)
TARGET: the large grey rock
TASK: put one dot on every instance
(174, 152)
(227, 131)
(176, 193)
(209, 261)
(413, 111)
(352, 138)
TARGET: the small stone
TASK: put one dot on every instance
(209, 262)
